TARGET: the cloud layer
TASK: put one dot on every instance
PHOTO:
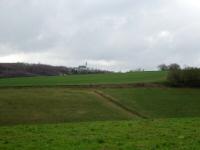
(116, 35)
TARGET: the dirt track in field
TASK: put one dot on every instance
(115, 102)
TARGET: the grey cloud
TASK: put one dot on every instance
(125, 34)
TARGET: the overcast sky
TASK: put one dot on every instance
(108, 34)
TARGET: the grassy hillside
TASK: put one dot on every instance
(114, 78)
(160, 134)
(78, 119)
(48, 105)
(159, 102)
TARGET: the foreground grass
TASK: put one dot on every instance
(160, 134)
(159, 102)
(52, 105)
(114, 78)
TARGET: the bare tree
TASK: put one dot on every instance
(174, 66)
(163, 67)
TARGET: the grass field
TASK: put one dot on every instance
(50, 105)
(112, 78)
(162, 134)
(55, 105)
(159, 102)
(61, 118)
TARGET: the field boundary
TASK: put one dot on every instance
(114, 101)
(93, 86)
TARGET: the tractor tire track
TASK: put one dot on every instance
(118, 104)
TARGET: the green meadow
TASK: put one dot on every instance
(159, 134)
(159, 102)
(97, 118)
(109, 78)
(55, 105)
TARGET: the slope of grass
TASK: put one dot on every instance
(48, 105)
(162, 134)
(114, 78)
(159, 102)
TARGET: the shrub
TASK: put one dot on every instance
(185, 77)
(191, 77)
(174, 77)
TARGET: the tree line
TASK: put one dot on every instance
(181, 77)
